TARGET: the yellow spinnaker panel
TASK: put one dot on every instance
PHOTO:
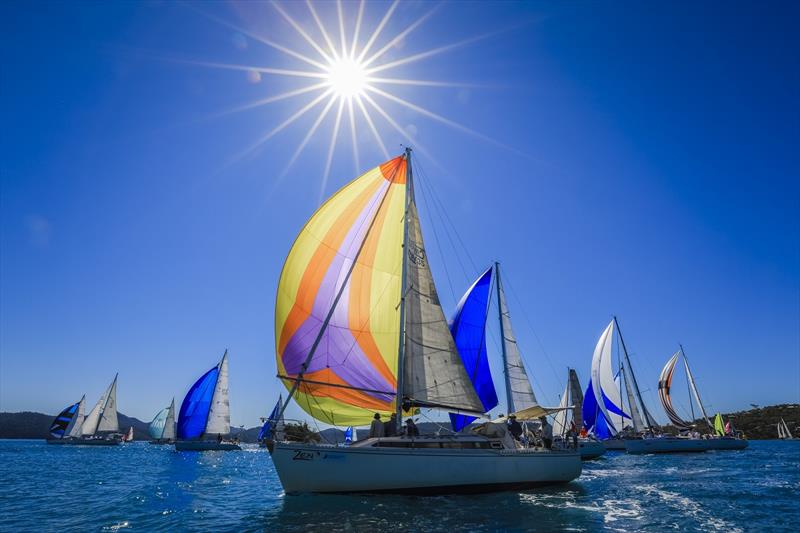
(352, 373)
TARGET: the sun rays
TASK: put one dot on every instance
(348, 78)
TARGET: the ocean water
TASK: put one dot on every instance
(141, 487)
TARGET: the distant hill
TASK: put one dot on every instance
(760, 423)
(30, 425)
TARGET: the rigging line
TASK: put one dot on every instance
(435, 233)
(439, 211)
(455, 230)
(530, 326)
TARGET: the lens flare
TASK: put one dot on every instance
(347, 77)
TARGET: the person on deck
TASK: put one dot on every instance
(514, 427)
(376, 428)
(547, 433)
(572, 434)
(411, 428)
(390, 427)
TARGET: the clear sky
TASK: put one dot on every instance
(624, 158)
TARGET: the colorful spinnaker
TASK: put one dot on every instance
(340, 306)
(719, 426)
(665, 385)
(468, 327)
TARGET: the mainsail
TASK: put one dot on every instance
(560, 424)
(576, 396)
(694, 388)
(339, 306)
(219, 413)
(103, 416)
(169, 424)
(636, 418)
(664, 385)
(469, 332)
(66, 420)
(519, 393)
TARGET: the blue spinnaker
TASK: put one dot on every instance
(593, 418)
(196, 404)
(469, 332)
(59, 425)
(266, 429)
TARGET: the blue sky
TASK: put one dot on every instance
(643, 163)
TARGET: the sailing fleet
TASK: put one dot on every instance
(361, 335)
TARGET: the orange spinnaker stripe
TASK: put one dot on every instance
(394, 170)
(348, 396)
(320, 263)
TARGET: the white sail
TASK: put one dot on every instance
(169, 424)
(519, 390)
(434, 374)
(781, 434)
(156, 427)
(219, 415)
(636, 418)
(92, 421)
(694, 390)
(75, 425)
(603, 376)
(108, 415)
(560, 424)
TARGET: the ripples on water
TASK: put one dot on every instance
(154, 488)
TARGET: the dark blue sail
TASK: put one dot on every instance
(196, 404)
(266, 429)
(593, 418)
(59, 425)
(469, 332)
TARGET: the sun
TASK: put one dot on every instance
(347, 77)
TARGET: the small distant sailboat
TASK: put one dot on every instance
(99, 428)
(359, 330)
(128, 436)
(162, 427)
(690, 439)
(571, 407)
(68, 423)
(783, 431)
(604, 415)
(205, 417)
(272, 429)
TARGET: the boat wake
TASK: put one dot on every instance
(688, 507)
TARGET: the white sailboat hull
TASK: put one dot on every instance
(205, 446)
(614, 444)
(319, 468)
(727, 443)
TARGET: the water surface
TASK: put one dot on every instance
(141, 487)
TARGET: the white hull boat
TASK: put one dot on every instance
(205, 446)
(666, 445)
(727, 443)
(420, 466)
(614, 444)
(81, 441)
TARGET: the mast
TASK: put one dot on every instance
(648, 419)
(693, 386)
(402, 338)
(509, 398)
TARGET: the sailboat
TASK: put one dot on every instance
(162, 427)
(67, 425)
(690, 439)
(272, 429)
(783, 431)
(205, 417)
(99, 428)
(128, 435)
(359, 331)
(603, 409)
(572, 400)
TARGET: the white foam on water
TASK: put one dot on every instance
(611, 509)
(117, 526)
(690, 507)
